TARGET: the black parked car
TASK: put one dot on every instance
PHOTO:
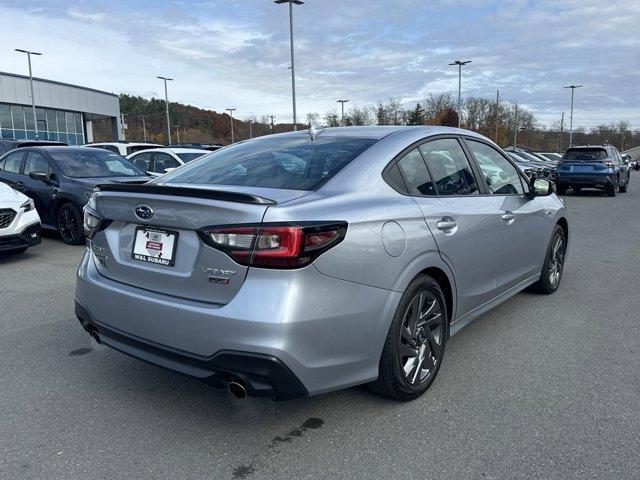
(60, 180)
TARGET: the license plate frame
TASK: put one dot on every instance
(155, 260)
(582, 168)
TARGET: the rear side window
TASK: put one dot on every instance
(290, 163)
(415, 174)
(449, 167)
(12, 162)
(585, 154)
(142, 160)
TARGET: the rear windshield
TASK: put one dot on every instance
(187, 157)
(87, 163)
(139, 148)
(586, 154)
(290, 163)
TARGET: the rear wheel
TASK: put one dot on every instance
(553, 263)
(414, 347)
(70, 225)
(611, 190)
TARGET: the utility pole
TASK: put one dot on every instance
(559, 145)
(33, 98)
(271, 124)
(342, 102)
(251, 128)
(460, 65)
(231, 110)
(166, 101)
(144, 127)
(515, 128)
(573, 88)
(497, 114)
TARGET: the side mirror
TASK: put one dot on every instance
(42, 176)
(541, 187)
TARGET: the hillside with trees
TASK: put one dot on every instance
(496, 121)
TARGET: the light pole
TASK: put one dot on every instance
(231, 110)
(166, 101)
(460, 64)
(144, 126)
(342, 102)
(33, 98)
(573, 88)
(515, 128)
(271, 124)
(293, 63)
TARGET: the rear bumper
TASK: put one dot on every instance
(262, 375)
(586, 179)
(305, 333)
(29, 237)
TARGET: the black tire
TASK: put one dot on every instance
(553, 262)
(576, 189)
(413, 333)
(623, 188)
(612, 190)
(16, 251)
(70, 225)
(561, 189)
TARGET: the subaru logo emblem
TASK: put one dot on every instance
(144, 212)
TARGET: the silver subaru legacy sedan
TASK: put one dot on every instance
(301, 263)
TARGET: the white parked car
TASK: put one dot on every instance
(163, 160)
(19, 221)
(123, 148)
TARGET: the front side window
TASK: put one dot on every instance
(142, 160)
(296, 163)
(12, 162)
(164, 161)
(415, 174)
(501, 176)
(35, 162)
(449, 167)
(87, 163)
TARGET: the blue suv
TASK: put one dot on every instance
(600, 167)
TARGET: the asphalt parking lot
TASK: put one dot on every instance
(540, 387)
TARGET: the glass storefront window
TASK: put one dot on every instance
(18, 118)
(17, 122)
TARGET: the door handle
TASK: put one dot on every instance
(508, 217)
(446, 224)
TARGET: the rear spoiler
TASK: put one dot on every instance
(222, 195)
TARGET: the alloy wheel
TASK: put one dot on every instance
(68, 225)
(422, 338)
(557, 261)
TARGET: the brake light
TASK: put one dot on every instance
(93, 222)
(610, 164)
(275, 245)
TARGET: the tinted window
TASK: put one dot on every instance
(501, 177)
(449, 167)
(83, 163)
(35, 162)
(187, 157)
(292, 163)
(585, 154)
(12, 162)
(415, 174)
(18, 118)
(164, 161)
(142, 160)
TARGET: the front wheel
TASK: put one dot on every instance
(70, 225)
(553, 263)
(612, 190)
(414, 348)
(623, 188)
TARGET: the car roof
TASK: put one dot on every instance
(377, 131)
(124, 144)
(61, 148)
(173, 150)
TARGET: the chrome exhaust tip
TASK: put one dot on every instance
(94, 334)
(237, 390)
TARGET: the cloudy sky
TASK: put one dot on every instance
(225, 53)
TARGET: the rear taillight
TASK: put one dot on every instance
(275, 245)
(93, 222)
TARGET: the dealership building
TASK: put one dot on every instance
(64, 112)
